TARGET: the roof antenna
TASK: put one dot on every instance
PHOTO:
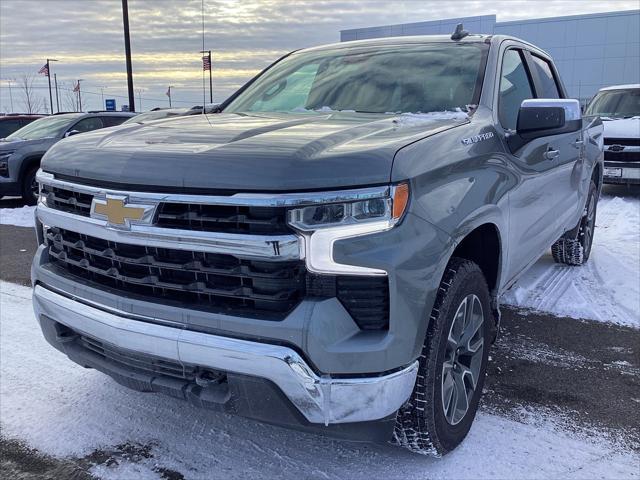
(460, 33)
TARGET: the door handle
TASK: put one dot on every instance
(551, 154)
(578, 143)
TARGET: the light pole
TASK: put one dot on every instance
(9, 80)
(127, 52)
(49, 60)
(79, 95)
(55, 81)
(102, 87)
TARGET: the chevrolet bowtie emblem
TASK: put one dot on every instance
(118, 212)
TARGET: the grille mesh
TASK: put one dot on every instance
(210, 281)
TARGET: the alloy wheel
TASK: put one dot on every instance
(462, 359)
(589, 224)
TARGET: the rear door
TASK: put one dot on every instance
(534, 208)
(570, 148)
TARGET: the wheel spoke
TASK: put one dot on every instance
(448, 390)
(461, 400)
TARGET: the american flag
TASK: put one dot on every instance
(44, 69)
(76, 87)
(206, 63)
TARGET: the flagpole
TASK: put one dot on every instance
(49, 79)
(55, 81)
(210, 79)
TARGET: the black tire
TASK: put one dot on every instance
(576, 250)
(422, 424)
(29, 195)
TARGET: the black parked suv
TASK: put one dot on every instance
(20, 152)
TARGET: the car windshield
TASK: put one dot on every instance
(616, 104)
(42, 128)
(382, 79)
(155, 115)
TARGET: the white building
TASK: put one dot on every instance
(591, 51)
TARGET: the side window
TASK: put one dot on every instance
(112, 121)
(87, 124)
(515, 87)
(7, 127)
(547, 81)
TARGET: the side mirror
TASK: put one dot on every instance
(71, 132)
(542, 117)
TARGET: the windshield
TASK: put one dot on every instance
(616, 104)
(42, 128)
(381, 79)
(155, 115)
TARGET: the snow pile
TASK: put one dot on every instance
(417, 119)
(607, 288)
(20, 217)
(64, 410)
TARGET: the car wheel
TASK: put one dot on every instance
(30, 187)
(576, 251)
(452, 365)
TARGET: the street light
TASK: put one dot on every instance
(9, 80)
(127, 52)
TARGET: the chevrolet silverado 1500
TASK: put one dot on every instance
(328, 251)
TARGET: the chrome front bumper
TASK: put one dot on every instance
(321, 399)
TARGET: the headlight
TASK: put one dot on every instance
(323, 224)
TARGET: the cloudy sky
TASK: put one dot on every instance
(166, 36)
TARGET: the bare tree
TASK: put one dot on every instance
(68, 97)
(31, 101)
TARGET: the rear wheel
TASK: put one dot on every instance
(30, 187)
(576, 250)
(452, 366)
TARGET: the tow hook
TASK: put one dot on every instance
(208, 378)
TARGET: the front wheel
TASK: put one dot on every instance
(30, 187)
(452, 366)
(575, 250)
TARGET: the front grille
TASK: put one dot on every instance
(212, 282)
(68, 200)
(622, 141)
(187, 216)
(223, 218)
(140, 362)
(621, 156)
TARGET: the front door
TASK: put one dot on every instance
(534, 203)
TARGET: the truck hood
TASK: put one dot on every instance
(622, 128)
(257, 152)
(13, 145)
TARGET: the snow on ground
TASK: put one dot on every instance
(21, 217)
(64, 410)
(607, 288)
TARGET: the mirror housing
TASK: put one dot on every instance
(541, 117)
(71, 132)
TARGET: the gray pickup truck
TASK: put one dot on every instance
(328, 251)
